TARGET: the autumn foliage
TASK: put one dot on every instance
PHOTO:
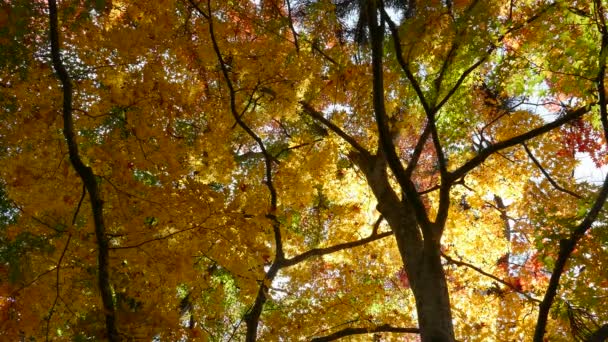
(289, 170)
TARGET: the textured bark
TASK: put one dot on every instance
(417, 237)
(421, 258)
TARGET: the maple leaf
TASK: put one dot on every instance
(258, 170)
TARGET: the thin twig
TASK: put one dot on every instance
(546, 174)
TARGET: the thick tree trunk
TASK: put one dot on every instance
(421, 258)
(422, 263)
(432, 299)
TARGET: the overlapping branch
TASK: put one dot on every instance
(386, 144)
(308, 109)
(253, 316)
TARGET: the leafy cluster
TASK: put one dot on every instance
(266, 170)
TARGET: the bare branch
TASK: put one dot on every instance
(489, 275)
(332, 249)
(57, 294)
(308, 109)
(252, 317)
(546, 174)
(600, 335)
(411, 166)
(291, 27)
(386, 144)
(485, 153)
(404, 65)
(160, 238)
(489, 52)
(86, 174)
(359, 331)
(84, 192)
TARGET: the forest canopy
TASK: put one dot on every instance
(303, 170)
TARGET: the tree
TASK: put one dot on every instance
(302, 170)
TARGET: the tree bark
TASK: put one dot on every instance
(421, 257)
(418, 239)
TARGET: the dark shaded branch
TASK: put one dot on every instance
(547, 176)
(453, 48)
(57, 290)
(451, 260)
(386, 142)
(358, 331)
(252, 317)
(22, 287)
(308, 109)
(415, 157)
(87, 176)
(291, 27)
(566, 246)
(84, 192)
(295, 147)
(404, 65)
(58, 266)
(316, 47)
(332, 249)
(502, 209)
(485, 153)
(489, 51)
(160, 238)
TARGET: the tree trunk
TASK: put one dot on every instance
(422, 264)
(421, 257)
(432, 299)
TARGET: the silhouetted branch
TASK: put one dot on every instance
(546, 174)
(332, 249)
(358, 331)
(404, 65)
(489, 51)
(600, 335)
(566, 246)
(519, 139)
(386, 144)
(86, 174)
(489, 275)
(308, 109)
(57, 292)
(291, 27)
(252, 317)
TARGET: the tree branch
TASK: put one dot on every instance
(252, 317)
(546, 174)
(291, 27)
(359, 331)
(485, 153)
(308, 109)
(489, 51)
(332, 249)
(404, 65)
(566, 246)
(386, 144)
(57, 294)
(451, 260)
(86, 174)
(600, 335)
(415, 157)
